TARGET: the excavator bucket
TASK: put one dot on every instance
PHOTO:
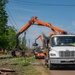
(18, 52)
(35, 44)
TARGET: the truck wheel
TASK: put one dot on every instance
(51, 67)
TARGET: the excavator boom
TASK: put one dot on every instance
(54, 28)
(40, 39)
(40, 23)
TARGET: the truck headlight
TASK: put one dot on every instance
(53, 54)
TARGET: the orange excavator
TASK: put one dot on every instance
(39, 53)
(54, 29)
(40, 37)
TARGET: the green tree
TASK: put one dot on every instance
(3, 25)
(11, 37)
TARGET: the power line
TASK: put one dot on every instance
(15, 17)
(11, 17)
(42, 4)
(11, 22)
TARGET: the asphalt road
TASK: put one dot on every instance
(63, 71)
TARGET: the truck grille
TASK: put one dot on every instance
(67, 53)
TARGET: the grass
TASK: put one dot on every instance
(21, 65)
(5, 55)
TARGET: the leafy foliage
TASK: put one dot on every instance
(11, 37)
(7, 33)
(3, 25)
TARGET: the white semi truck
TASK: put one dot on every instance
(60, 51)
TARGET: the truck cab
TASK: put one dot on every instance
(61, 50)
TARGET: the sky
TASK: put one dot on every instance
(60, 13)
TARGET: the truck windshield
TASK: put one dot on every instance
(63, 41)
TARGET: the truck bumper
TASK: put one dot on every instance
(62, 61)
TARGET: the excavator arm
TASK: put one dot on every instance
(39, 23)
(40, 39)
(31, 22)
(53, 28)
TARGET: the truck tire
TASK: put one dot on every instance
(51, 67)
(46, 61)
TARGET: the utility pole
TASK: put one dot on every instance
(24, 38)
(29, 44)
(29, 47)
